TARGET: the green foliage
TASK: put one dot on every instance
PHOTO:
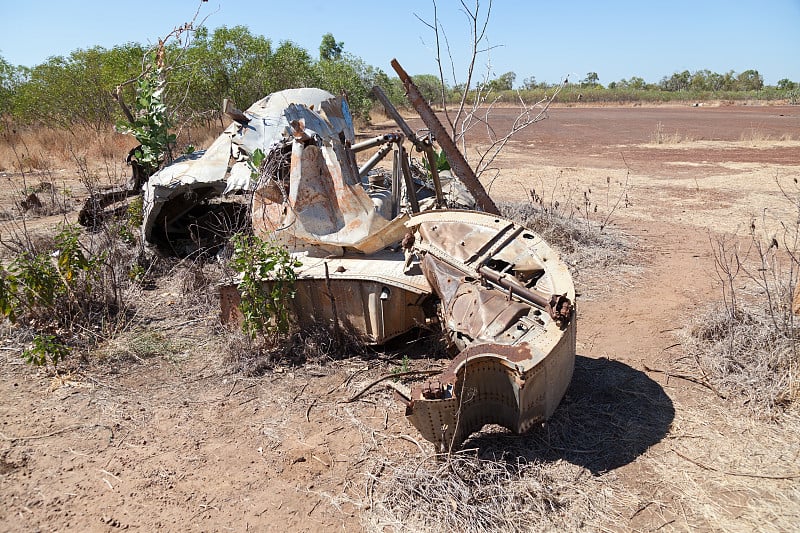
(128, 229)
(430, 86)
(591, 80)
(290, 67)
(151, 122)
(49, 290)
(351, 76)
(75, 90)
(405, 366)
(255, 162)
(529, 84)
(330, 49)
(135, 212)
(45, 348)
(441, 162)
(8, 82)
(268, 275)
(504, 82)
(230, 63)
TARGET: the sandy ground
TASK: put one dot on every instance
(177, 441)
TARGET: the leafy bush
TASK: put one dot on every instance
(151, 122)
(268, 274)
(62, 293)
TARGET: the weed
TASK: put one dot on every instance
(746, 345)
(63, 291)
(267, 283)
(404, 366)
(45, 348)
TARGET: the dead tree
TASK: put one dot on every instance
(476, 101)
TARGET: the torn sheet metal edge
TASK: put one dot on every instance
(514, 384)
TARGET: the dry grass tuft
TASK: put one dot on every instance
(313, 345)
(554, 478)
(584, 245)
(469, 494)
(660, 136)
(748, 356)
(746, 345)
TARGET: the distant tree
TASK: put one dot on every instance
(786, 84)
(638, 83)
(634, 82)
(715, 81)
(230, 63)
(679, 81)
(504, 82)
(529, 83)
(76, 90)
(430, 86)
(591, 80)
(749, 80)
(352, 76)
(290, 67)
(700, 80)
(330, 48)
(9, 77)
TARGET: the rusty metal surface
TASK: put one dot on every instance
(372, 266)
(517, 344)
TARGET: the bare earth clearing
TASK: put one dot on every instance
(173, 439)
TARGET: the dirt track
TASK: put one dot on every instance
(178, 442)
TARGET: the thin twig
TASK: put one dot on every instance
(389, 376)
(308, 411)
(685, 377)
(56, 432)
(738, 474)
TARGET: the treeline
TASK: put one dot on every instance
(701, 85)
(76, 90)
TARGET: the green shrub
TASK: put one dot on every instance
(57, 292)
(268, 275)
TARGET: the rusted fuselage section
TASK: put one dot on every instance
(505, 301)
(383, 253)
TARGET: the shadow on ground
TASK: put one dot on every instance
(610, 415)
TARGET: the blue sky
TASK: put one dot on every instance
(545, 39)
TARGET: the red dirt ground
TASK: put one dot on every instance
(178, 442)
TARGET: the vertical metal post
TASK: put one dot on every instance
(459, 165)
(410, 191)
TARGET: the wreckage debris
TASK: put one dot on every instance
(382, 253)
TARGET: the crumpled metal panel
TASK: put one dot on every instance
(326, 208)
(223, 168)
(517, 356)
(371, 298)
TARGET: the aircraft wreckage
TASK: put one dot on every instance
(383, 253)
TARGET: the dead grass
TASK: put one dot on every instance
(313, 345)
(747, 357)
(661, 136)
(554, 478)
(746, 344)
(582, 242)
(468, 494)
(722, 470)
(756, 136)
(41, 148)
